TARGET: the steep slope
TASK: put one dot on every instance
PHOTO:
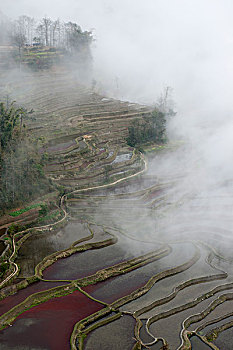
(81, 132)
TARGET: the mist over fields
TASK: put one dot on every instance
(142, 47)
(116, 174)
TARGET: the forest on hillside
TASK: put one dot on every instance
(21, 164)
(27, 30)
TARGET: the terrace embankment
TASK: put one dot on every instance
(82, 132)
(137, 259)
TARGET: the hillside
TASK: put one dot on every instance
(119, 253)
(80, 134)
(81, 131)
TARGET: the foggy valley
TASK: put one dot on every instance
(116, 175)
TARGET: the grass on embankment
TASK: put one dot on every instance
(23, 210)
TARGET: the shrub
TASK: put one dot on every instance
(44, 209)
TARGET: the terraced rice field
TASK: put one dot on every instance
(141, 263)
(82, 131)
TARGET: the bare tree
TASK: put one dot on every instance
(54, 27)
(30, 28)
(40, 33)
(20, 25)
(46, 23)
(165, 101)
(19, 41)
(59, 33)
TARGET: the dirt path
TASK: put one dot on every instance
(16, 268)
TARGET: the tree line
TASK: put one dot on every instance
(27, 31)
(153, 128)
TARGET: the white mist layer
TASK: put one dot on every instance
(142, 47)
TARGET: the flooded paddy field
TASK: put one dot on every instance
(115, 270)
(221, 311)
(49, 325)
(167, 286)
(86, 263)
(37, 247)
(117, 335)
(9, 302)
(224, 340)
(118, 287)
(197, 344)
(170, 327)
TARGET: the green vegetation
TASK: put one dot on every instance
(107, 169)
(13, 228)
(49, 217)
(3, 268)
(44, 209)
(39, 58)
(21, 211)
(21, 165)
(149, 129)
(9, 117)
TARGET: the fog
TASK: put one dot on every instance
(142, 47)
